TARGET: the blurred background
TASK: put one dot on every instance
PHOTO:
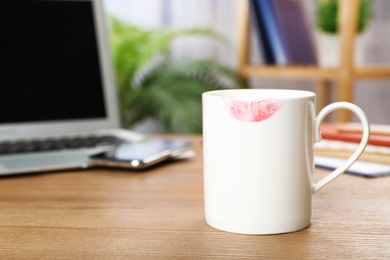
(220, 17)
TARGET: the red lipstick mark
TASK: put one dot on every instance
(252, 111)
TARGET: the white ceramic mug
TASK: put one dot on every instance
(258, 158)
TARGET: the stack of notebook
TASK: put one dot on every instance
(340, 140)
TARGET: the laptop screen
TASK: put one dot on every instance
(49, 64)
(56, 74)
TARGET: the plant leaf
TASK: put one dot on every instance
(151, 85)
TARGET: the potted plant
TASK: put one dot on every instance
(152, 85)
(327, 24)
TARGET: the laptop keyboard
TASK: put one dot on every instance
(14, 147)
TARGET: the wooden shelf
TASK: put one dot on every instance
(288, 72)
(374, 72)
(343, 76)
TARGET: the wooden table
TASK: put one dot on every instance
(158, 214)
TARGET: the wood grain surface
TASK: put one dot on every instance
(158, 214)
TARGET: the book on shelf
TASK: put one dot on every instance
(263, 40)
(283, 31)
(294, 31)
(264, 28)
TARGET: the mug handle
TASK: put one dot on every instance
(363, 143)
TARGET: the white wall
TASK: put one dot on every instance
(221, 15)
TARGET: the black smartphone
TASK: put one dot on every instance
(142, 154)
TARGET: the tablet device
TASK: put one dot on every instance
(141, 154)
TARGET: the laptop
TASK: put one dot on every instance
(57, 85)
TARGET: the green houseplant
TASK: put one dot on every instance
(151, 85)
(327, 15)
(327, 25)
